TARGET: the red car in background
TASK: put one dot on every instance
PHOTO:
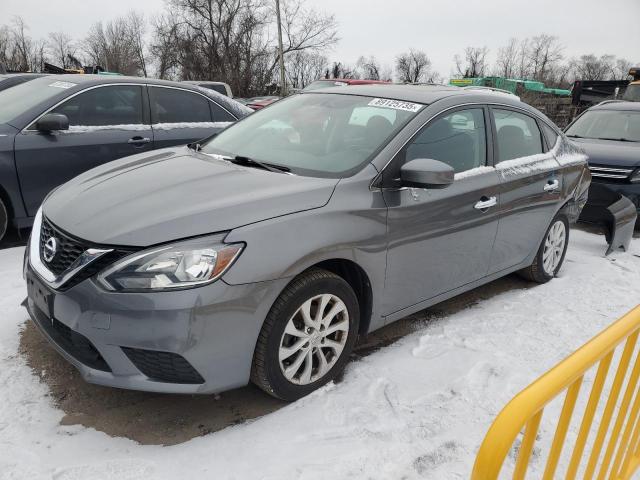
(338, 82)
(258, 103)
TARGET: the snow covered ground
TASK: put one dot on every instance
(416, 409)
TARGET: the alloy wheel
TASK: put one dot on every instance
(554, 247)
(313, 339)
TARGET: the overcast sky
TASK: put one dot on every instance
(385, 28)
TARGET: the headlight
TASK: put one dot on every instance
(180, 265)
(635, 178)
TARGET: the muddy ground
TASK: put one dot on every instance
(161, 419)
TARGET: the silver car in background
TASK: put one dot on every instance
(262, 254)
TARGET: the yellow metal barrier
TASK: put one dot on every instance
(526, 409)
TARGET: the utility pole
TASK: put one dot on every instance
(283, 85)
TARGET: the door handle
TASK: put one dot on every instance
(139, 141)
(486, 202)
(552, 185)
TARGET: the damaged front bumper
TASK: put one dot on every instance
(612, 211)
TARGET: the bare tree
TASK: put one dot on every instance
(304, 67)
(62, 49)
(620, 70)
(590, 67)
(137, 29)
(507, 61)
(414, 66)
(369, 67)
(474, 63)
(545, 52)
(113, 46)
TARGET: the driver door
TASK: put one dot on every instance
(105, 123)
(441, 239)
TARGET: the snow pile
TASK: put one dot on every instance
(416, 409)
(472, 172)
(140, 127)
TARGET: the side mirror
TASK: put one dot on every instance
(52, 121)
(426, 173)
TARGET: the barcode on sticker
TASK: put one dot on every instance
(395, 104)
(62, 84)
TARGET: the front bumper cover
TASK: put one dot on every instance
(614, 212)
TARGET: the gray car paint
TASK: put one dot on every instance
(415, 247)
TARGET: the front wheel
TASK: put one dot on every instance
(551, 253)
(307, 336)
(4, 220)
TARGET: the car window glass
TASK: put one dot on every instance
(169, 105)
(103, 106)
(215, 87)
(517, 135)
(219, 114)
(607, 124)
(550, 134)
(457, 139)
(315, 134)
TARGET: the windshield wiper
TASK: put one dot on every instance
(250, 162)
(195, 146)
(618, 139)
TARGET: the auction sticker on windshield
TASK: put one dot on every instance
(395, 104)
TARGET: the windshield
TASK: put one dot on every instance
(632, 93)
(17, 100)
(318, 84)
(607, 125)
(324, 135)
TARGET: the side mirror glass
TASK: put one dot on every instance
(426, 173)
(52, 122)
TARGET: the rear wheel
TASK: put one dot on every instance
(4, 220)
(551, 253)
(307, 336)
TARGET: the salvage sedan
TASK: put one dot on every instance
(263, 253)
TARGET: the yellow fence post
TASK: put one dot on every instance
(622, 452)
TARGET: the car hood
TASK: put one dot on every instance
(173, 194)
(610, 152)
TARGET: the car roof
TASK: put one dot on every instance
(425, 94)
(617, 105)
(352, 81)
(202, 82)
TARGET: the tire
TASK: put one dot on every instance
(304, 343)
(543, 270)
(4, 220)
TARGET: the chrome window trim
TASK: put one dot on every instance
(475, 104)
(128, 84)
(87, 257)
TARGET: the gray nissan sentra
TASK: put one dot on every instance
(261, 254)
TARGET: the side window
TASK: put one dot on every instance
(457, 139)
(169, 105)
(517, 134)
(219, 114)
(103, 106)
(550, 134)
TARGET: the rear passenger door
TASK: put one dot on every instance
(530, 186)
(105, 123)
(182, 116)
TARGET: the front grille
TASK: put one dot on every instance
(76, 345)
(69, 249)
(163, 366)
(614, 174)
